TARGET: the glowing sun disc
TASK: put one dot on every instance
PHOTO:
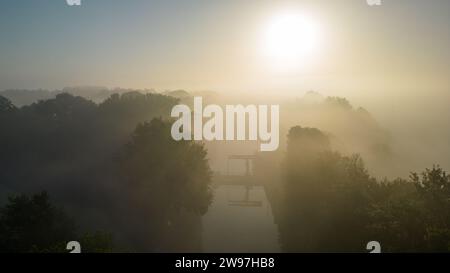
(290, 38)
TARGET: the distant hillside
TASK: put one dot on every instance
(351, 129)
(96, 94)
(26, 97)
(179, 94)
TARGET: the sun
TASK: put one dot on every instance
(291, 39)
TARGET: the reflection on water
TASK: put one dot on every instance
(239, 221)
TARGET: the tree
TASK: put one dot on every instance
(164, 179)
(6, 105)
(175, 172)
(433, 188)
(97, 242)
(33, 224)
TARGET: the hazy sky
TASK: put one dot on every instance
(216, 45)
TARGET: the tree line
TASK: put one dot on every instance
(110, 176)
(113, 167)
(332, 204)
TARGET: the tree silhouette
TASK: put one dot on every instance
(164, 179)
(6, 105)
(332, 204)
(29, 224)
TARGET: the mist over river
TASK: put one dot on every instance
(232, 228)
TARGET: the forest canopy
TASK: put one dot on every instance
(110, 175)
(101, 162)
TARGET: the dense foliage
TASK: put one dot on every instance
(108, 165)
(331, 203)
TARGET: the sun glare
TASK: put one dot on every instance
(290, 40)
